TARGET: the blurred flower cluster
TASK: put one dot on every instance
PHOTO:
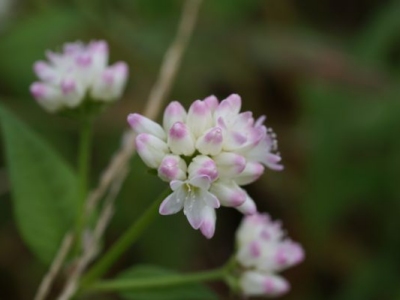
(263, 250)
(206, 154)
(80, 72)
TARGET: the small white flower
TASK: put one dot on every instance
(263, 250)
(79, 72)
(197, 202)
(214, 140)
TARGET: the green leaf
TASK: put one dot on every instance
(43, 187)
(194, 291)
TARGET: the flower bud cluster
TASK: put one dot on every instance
(206, 154)
(263, 250)
(79, 72)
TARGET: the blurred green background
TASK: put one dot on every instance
(326, 73)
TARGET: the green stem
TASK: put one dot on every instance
(158, 282)
(83, 169)
(124, 242)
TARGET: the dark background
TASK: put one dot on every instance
(326, 73)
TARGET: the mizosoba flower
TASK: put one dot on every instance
(263, 251)
(80, 72)
(206, 154)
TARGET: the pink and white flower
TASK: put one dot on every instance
(263, 251)
(214, 140)
(79, 72)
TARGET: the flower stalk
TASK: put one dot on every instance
(125, 241)
(158, 282)
(85, 145)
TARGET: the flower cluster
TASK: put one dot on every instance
(206, 154)
(263, 250)
(79, 72)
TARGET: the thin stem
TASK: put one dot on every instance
(83, 169)
(158, 282)
(124, 242)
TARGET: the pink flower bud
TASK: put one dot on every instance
(253, 283)
(151, 149)
(228, 193)
(202, 165)
(229, 164)
(251, 173)
(212, 102)
(110, 85)
(180, 140)
(173, 113)
(199, 118)
(171, 168)
(141, 124)
(210, 143)
(229, 108)
(248, 207)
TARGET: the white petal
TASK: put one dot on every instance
(172, 204)
(209, 199)
(209, 218)
(176, 184)
(202, 181)
(248, 207)
(193, 209)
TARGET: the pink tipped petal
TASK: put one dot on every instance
(151, 149)
(229, 108)
(212, 102)
(47, 96)
(171, 168)
(110, 84)
(203, 165)
(172, 204)
(251, 173)
(180, 140)
(141, 124)
(173, 113)
(199, 118)
(193, 210)
(44, 71)
(228, 193)
(254, 283)
(210, 199)
(272, 161)
(210, 143)
(248, 207)
(230, 164)
(289, 254)
(68, 86)
(208, 226)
